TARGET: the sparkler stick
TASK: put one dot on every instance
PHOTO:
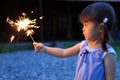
(29, 33)
(32, 38)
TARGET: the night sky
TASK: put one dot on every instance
(14, 8)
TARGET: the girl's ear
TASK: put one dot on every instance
(101, 27)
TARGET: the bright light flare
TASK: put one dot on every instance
(29, 32)
(41, 17)
(24, 24)
(11, 39)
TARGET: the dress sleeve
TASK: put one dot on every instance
(110, 51)
(84, 42)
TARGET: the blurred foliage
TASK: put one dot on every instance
(116, 46)
(68, 44)
(15, 47)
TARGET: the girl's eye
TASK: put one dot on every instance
(85, 24)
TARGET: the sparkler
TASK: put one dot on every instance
(23, 24)
(29, 33)
(12, 38)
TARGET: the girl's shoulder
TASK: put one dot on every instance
(111, 50)
(84, 42)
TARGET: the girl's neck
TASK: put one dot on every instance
(95, 44)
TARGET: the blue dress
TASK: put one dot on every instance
(90, 64)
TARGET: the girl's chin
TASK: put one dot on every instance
(87, 38)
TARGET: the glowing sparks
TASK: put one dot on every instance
(31, 11)
(12, 38)
(29, 32)
(10, 21)
(41, 17)
(24, 14)
(23, 24)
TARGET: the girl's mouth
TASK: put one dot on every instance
(83, 33)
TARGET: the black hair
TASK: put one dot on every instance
(97, 12)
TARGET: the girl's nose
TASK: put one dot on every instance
(83, 28)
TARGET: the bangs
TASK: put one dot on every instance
(86, 18)
(87, 14)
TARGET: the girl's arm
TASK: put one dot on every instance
(58, 52)
(110, 66)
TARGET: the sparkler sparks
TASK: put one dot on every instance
(12, 38)
(23, 24)
(41, 17)
(29, 33)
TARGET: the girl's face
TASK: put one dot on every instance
(91, 30)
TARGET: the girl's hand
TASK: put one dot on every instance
(38, 47)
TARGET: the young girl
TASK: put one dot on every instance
(96, 58)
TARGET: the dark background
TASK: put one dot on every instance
(60, 20)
